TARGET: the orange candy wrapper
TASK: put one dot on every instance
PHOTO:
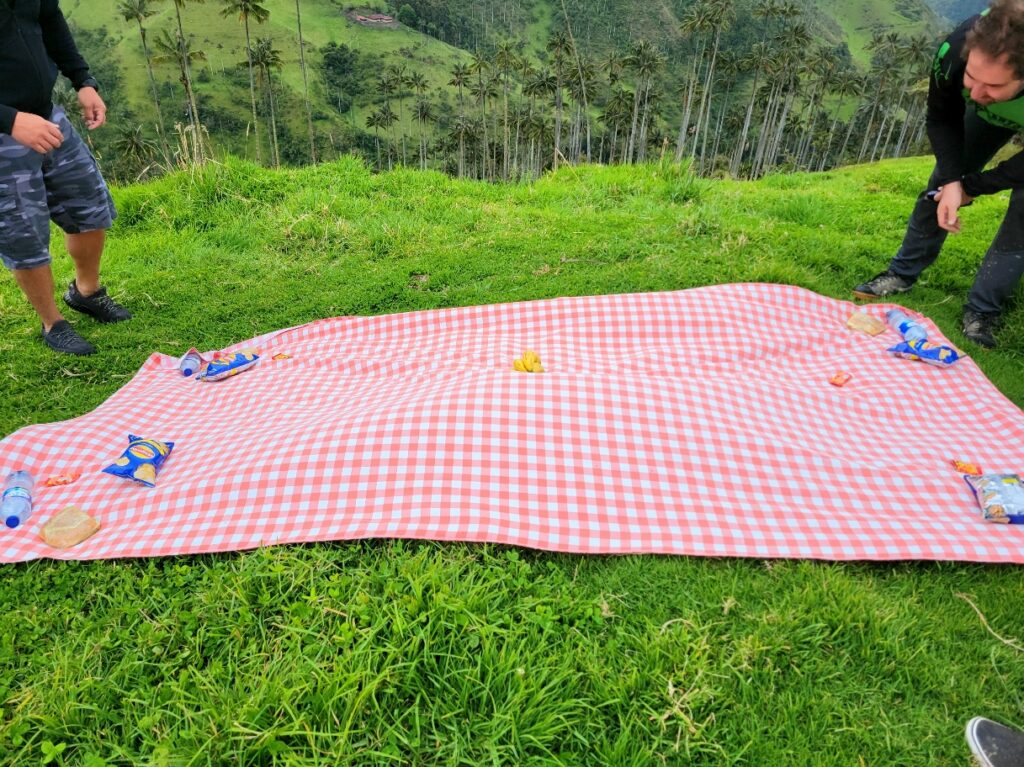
(966, 468)
(840, 379)
(63, 479)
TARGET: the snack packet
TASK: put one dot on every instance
(1000, 496)
(933, 354)
(226, 365)
(141, 460)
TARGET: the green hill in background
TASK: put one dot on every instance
(437, 35)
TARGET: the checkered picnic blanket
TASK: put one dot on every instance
(693, 422)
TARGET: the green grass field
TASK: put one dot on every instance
(408, 652)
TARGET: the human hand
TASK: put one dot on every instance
(36, 132)
(950, 198)
(94, 111)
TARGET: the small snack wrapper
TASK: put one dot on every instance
(932, 354)
(226, 365)
(840, 379)
(966, 468)
(64, 478)
(866, 323)
(1000, 496)
(141, 460)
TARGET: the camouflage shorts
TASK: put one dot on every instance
(63, 185)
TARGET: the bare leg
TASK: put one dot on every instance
(85, 250)
(37, 285)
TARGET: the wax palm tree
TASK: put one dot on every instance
(696, 26)
(460, 78)
(185, 59)
(138, 11)
(373, 120)
(755, 61)
(616, 117)
(560, 48)
(819, 67)
(305, 84)
(505, 59)
(721, 14)
(246, 10)
(424, 112)
(583, 88)
(645, 60)
(178, 50)
(485, 91)
(730, 69)
(397, 76)
(845, 83)
(267, 58)
(461, 129)
(480, 67)
(884, 47)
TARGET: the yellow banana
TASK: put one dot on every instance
(528, 363)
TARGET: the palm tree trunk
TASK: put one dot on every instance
(197, 143)
(305, 85)
(705, 99)
(737, 157)
(161, 131)
(252, 91)
(273, 121)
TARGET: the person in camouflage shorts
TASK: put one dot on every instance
(48, 173)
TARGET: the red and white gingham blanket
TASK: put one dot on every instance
(693, 422)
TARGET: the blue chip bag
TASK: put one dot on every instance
(933, 354)
(141, 460)
(226, 365)
(1000, 496)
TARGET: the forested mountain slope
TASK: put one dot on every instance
(386, 87)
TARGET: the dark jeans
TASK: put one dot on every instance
(1003, 265)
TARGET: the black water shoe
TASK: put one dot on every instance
(63, 338)
(99, 305)
(995, 745)
(885, 284)
(981, 328)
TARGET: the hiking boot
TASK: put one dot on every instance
(981, 328)
(994, 745)
(884, 284)
(99, 305)
(63, 338)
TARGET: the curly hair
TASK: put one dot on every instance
(1000, 32)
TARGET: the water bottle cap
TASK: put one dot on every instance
(12, 521)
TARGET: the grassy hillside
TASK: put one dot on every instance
(598, 28)
(385, 652)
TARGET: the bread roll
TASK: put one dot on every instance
(68, 527)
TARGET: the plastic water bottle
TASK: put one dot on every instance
(909, 328)
(17, 499)
(190, 363)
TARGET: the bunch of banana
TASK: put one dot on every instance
(528, 363)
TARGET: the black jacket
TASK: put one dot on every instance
(948, 101)
(34, 43)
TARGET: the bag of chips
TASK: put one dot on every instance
(1000, 496)
(226, 365)
(933, 354)
(141, 460)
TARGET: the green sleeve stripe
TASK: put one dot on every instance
(937, 63)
